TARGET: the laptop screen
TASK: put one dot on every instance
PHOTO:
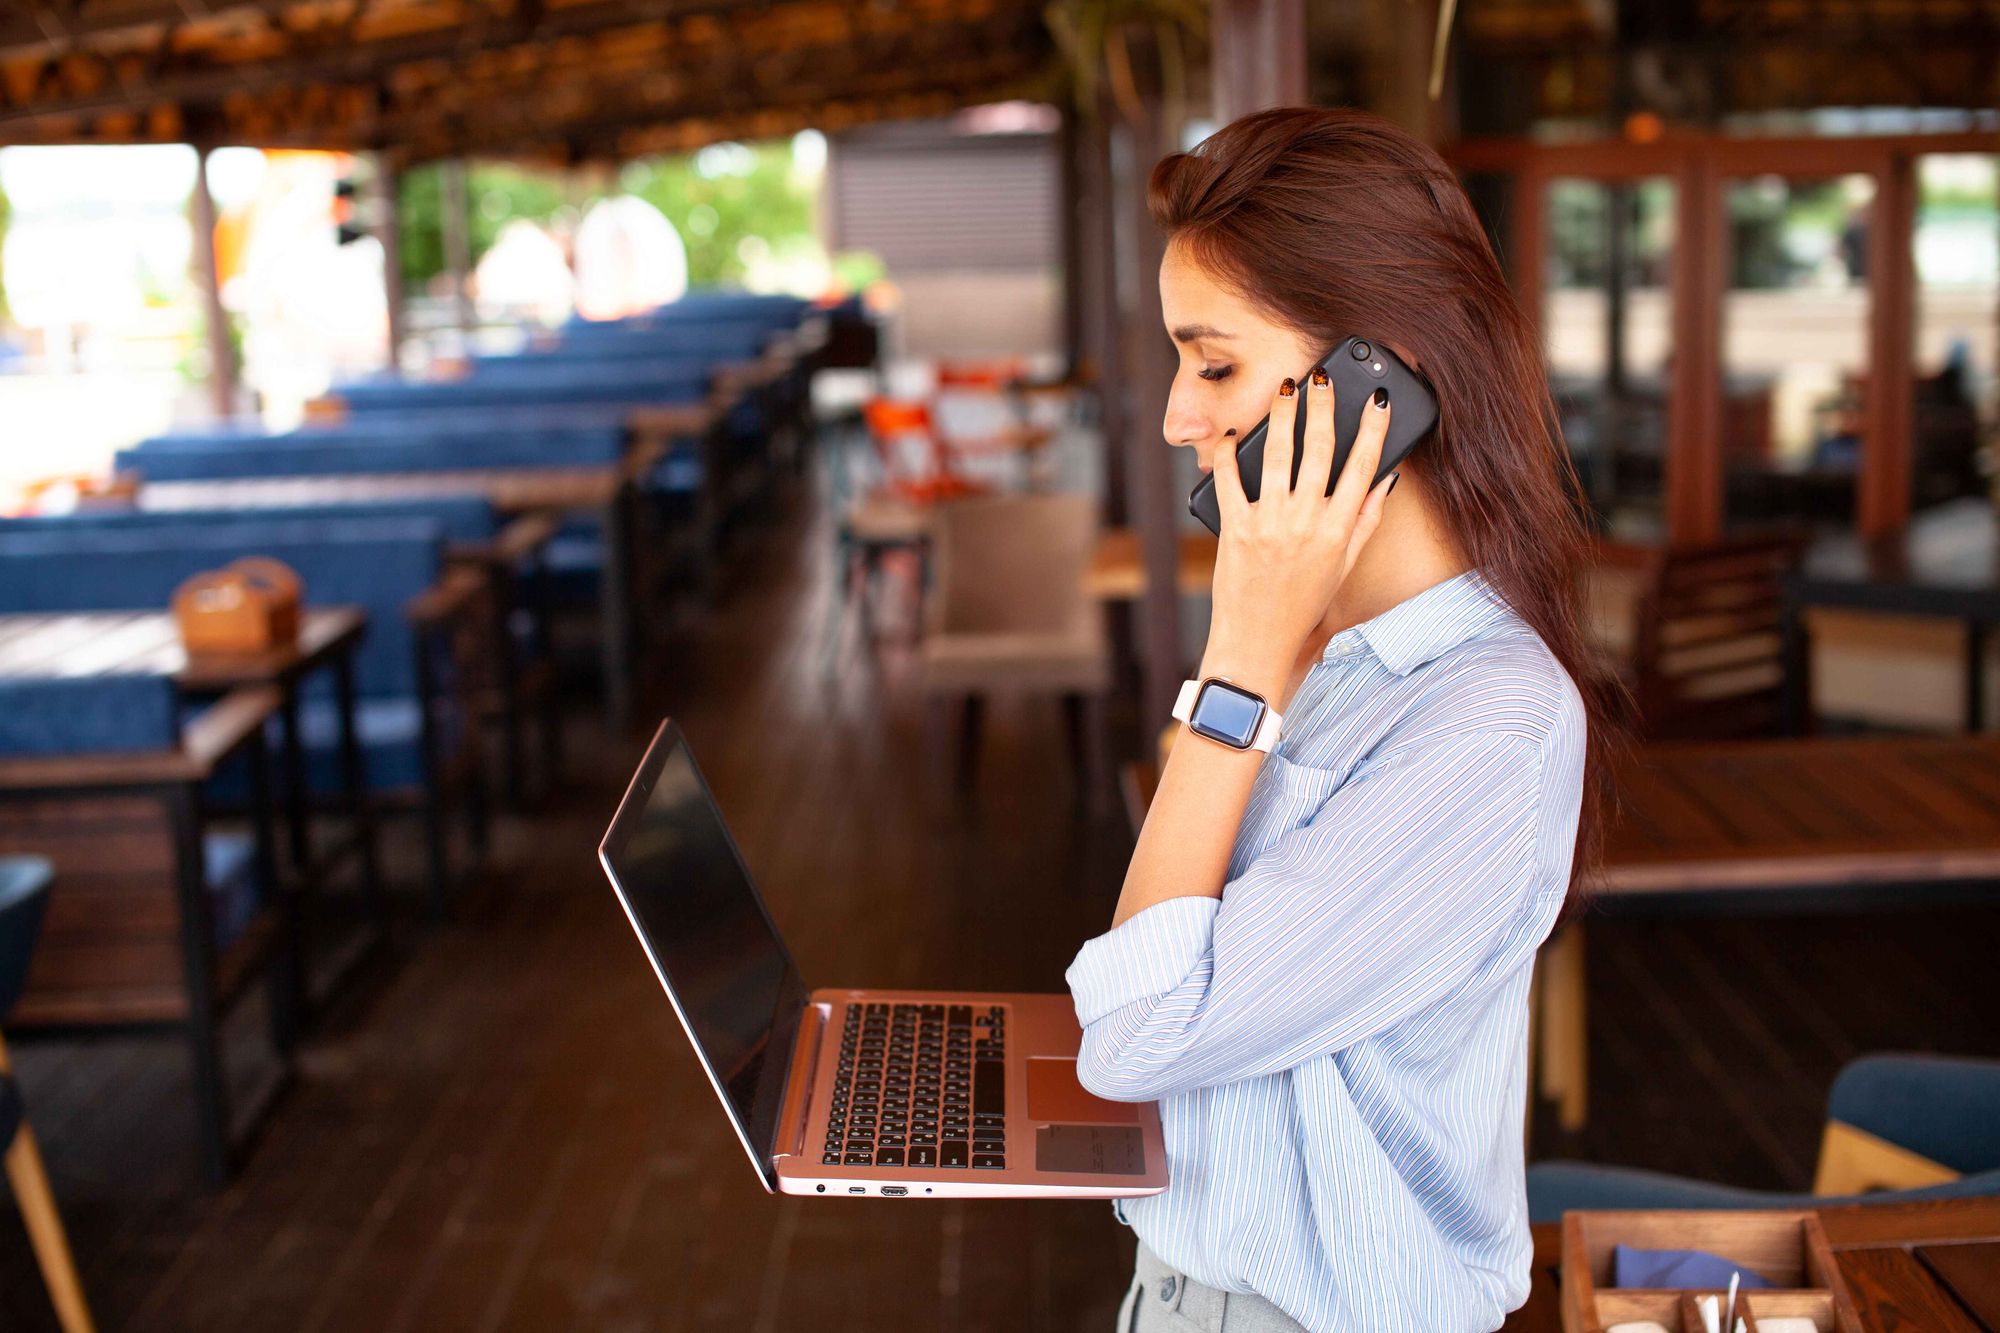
(691, 899)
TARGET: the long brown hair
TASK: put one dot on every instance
(1336, 222)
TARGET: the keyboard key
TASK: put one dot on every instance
(952, 1154)
(889, 1157)
(831, 1159)
(988, 1161)
(923, 1139)
(923, 1157)
(859, 1159)
(989, 1087)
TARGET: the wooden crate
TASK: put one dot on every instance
(1787, 1248)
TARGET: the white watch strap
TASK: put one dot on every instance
(1266, 738)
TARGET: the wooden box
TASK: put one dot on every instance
(1787, 1248)
(252, 606)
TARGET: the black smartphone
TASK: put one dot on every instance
(1357, 368)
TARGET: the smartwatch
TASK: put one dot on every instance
(1228, 714)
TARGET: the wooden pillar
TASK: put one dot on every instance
(1070, 224)
(1149, 364)
(221, 359)
(457, 238)
(1257, 55)
(388, 199)
(1882, 499)
(1103, 327)
(1693, 477)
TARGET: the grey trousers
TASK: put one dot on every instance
(1166, 1300)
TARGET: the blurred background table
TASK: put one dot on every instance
(1945, 564)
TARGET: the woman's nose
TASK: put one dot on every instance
(1182, 425)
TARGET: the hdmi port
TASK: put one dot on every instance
(895, 1191)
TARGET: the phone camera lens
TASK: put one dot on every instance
(1362, 351)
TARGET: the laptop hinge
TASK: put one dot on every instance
(791, 1136)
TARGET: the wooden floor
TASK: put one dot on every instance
(507, 1131)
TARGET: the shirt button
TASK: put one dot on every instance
(1167, 1285)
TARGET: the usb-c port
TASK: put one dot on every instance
(895, 1191)
(857, 1189)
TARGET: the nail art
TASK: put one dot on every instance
(1394, 477)
(1288, 388)
(1320, 381)
(1381, 396)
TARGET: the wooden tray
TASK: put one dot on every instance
(1788, 1248)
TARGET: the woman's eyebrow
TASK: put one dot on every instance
(1188, 333)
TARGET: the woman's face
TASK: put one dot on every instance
(1232, 358)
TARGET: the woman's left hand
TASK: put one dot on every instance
(1282, 557)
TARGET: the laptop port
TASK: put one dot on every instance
(895, 1191)
(857, 1189)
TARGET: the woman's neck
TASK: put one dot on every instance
(1410, 551)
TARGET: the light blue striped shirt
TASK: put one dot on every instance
(1339, 1043)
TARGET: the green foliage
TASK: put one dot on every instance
(725, 200)
(495, 194)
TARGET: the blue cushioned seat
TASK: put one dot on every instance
(461, 518)
(414, 453)
(378, 564)
(1943, 1108)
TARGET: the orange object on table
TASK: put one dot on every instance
(250, 606)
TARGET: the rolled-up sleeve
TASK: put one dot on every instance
(1391, 896)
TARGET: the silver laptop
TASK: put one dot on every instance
(904, 1094)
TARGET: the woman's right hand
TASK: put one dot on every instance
(1283, 557)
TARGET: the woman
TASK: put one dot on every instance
(1319, 962)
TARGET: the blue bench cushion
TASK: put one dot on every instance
(379, 564)
(415, 452)
(1946, 1108)
(392, 752)
(462, 518)
(1556, 1187)
(86, 714)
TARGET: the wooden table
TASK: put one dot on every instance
(1945, 564)
(1117, 570)
(1879, 822)
(148, 643)
(1913, 1268)
(605, 491)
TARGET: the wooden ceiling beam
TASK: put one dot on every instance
(188, 80)
(1007, 44)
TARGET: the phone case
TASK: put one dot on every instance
(1412, 414)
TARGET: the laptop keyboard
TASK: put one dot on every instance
(921, 1085)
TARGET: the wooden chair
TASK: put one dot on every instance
(24, 894)
(1708, 660)
(1009, 615)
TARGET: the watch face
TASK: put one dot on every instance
(1224, 713)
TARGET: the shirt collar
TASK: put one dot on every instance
(1422, 627)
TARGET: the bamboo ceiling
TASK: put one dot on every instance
(566, 78)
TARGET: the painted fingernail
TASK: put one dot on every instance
(1394, 477)
(1288, 388)
(1320, 381)
(1381, 396)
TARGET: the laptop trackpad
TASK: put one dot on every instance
(1088, 1135)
